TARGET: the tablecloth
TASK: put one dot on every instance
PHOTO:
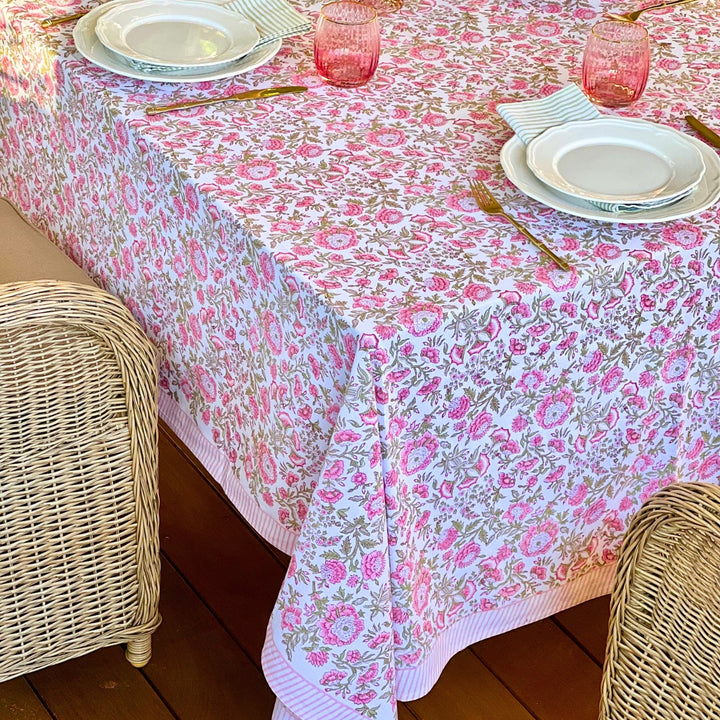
(447, 433)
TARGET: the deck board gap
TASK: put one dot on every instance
(279, 557)
(39, 697)
(577, 641)
(159, 693)
(209, 608)
(509, 688)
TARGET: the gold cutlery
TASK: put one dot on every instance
(486, 202)
(248, 95)
(703, 130)
(59, 19)
(633, 16)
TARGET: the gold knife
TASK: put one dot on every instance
(712, 137)
(249, 95)
(59, 19)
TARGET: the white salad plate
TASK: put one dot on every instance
(180, 35)
(89, 46)
(705, 194)
(615, 160)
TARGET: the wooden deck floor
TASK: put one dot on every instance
(215, 602)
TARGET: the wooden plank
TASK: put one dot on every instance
(404, 713)
(545, 670)
(220, 557)
(467, 690)
(182, 449)
(197, 668)
(587, 624)
(103, 685)
(19, 702)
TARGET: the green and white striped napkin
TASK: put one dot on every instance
(273, 18)
(529, 118)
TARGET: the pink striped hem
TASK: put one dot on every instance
(412, 683)
(280, 712)
(224, 473)
(299, 700)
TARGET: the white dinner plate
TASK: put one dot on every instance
(90, 47)
(616, 160)
(178, 34)
(705, 195)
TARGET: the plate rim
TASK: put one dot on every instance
(547, 196)
(87, 44)
(636, 124)
(186, 7)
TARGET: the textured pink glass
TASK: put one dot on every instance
(347, 43)
(616, 63)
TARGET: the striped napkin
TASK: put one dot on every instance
(273, 18)
(531, 117)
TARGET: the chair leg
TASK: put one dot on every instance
(138, 651)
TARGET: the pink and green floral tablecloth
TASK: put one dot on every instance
(447, 433)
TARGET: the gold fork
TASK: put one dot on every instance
(487, 203)
(633, 16)
(59, 19)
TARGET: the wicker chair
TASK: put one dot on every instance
(79, 539)
(663, 651)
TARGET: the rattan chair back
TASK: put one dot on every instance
(663, 651)
(79, 542)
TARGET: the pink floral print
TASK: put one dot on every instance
(341, 625)
(442, 429)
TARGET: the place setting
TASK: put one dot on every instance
(571, 157)
(603, 167)
(191, 41)
(185, 41)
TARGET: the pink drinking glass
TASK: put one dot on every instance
(347, 43)
(616, 63)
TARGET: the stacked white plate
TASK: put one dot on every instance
(626, 171)
(173, 36)
(171, 40)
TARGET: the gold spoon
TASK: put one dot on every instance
(633, 16)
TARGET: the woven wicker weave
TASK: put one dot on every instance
(663, 652)
(79, 544)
